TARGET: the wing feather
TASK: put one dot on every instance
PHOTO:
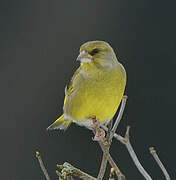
(69, 89)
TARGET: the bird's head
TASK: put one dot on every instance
(98, 53)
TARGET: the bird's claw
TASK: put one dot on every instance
(99, 135)
(99, 132)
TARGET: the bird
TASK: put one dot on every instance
(96, 88)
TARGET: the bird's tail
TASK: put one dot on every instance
(60, 123)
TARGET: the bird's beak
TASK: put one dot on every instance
(84, 57)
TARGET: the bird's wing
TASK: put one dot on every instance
(69, 89)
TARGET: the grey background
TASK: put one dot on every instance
(39, 44)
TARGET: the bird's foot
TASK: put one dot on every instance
(99, 135)
(99, 132)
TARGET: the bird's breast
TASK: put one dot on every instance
(99, 96)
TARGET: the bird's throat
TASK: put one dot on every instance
(90, 69)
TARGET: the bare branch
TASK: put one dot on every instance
(42, 165)
(68, 171)
(111, 161)
(103, 167)
(119, 117)
(134, 156)
(160, 164)
(105, 145)
(125, 140)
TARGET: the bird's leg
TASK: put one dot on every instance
(99, 132)
(95, 123)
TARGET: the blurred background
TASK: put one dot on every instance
(39, 43)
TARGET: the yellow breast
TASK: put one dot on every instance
(99, 95)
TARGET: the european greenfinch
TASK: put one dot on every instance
(96, 88)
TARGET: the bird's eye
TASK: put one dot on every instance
(94, 51)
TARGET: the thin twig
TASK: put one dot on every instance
(111, 161)
(125, 140)
(42, 165)
(160, 164)
(103, 167)
(69, 170)
(119, 117)
(134, 156)
(111, 174)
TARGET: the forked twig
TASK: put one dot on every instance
(133, 155)
(111, 161)
(160, 164)
(42, 165)
(126, 141)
